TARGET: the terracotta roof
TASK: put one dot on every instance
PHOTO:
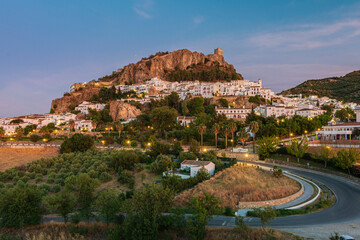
(194, 162)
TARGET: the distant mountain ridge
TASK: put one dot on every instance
(345, 88)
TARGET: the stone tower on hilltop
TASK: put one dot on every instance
(218, 51)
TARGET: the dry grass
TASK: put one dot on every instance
(57, 231)
(12, 157)
(242, 184)
(250, 234)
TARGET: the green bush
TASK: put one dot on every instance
(229, 211)
(134, 143)
(127, 177)
(34, 138)
(38, 179)
(50, 180)
(56, 188)
(105, 177)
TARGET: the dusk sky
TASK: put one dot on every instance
(45, 46)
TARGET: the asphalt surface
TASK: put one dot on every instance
(345, 210)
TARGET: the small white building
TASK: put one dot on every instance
(310, 113)
(184, 120)
(195, 165)
(233, 113)
(83, 125)
(85, 106)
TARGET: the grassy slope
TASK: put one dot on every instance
(240, 183)
(346, 88)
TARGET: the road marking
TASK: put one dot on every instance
(224, 223)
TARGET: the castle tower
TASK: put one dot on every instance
(218, 51)
(260, 82)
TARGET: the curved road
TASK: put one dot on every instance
(346, 208)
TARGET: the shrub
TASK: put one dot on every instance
(127, 177)
(56, 188)
(34, 138)
(50, 180)
(229, 211)
(104, 176)
(25, 179)
(15, 212)
(38, 179)
(134, 143)
(77, 143)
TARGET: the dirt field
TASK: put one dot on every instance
(11, 157)
(242, 184)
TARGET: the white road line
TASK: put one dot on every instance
(224, 223)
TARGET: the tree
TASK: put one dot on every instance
(324, 154)
(254, 128)
(232, 129)
(202, 128)
(194, 146)
(162, 163)
(20, 206)
(204, 207)
(344, 113)
(196, 105)
(226, 133)
(62, 203)
(108, 205)
(163, 118)
(216, 130)
(144, 211)
(94, 125)
(298, 148)
(266, 215)
(223, 102)
(2, 132)
(243, 136)
(83, 187)
(346, 159)
(77, 143)
(119, 127)
(266, 145)
(19, 132)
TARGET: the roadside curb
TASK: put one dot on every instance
(308, 201)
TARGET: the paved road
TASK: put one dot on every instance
(345, 210)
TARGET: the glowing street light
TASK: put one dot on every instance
(306, 131)
(291, 134)
(246, 155)
(204, 150)
(149, 144)
(128, 142)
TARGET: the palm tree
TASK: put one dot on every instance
(108, 128)
(232, 129)
(119, 128)
(254, 128)
(2, 131)
(216, 130)
(226, 133)
(243, 136)
(202, 128)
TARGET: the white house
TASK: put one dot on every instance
(84, 125)
(85, 106)
(310, 113)
(184, 120)
(234, 112)
(194, 166)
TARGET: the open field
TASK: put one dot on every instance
(242, 184)
(12, 157)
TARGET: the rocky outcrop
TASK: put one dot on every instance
(64, 104)
(161, 64)
(123, 111)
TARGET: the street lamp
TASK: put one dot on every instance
(128, 142)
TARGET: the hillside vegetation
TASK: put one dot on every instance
(346, 88)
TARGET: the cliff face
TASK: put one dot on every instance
(123, 111)
(162, 64)
(61, 105)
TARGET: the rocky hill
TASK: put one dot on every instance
(345, 88)
(167, 65)
(179, 65)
